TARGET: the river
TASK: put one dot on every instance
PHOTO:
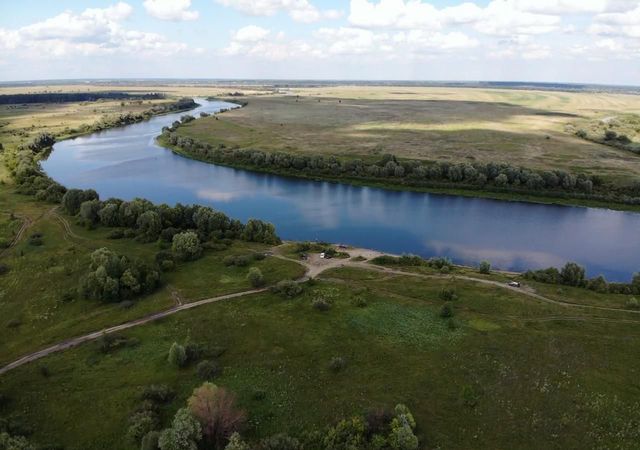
(127, 163)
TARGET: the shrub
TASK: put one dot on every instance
(359, 301)
(337, 363)
(186, 246)
(572, 274)
(280, 441)
(255, 277)
(236, 443)
(177, 355)
(158, 393)
(14, 323)
(346, 435)
(321, 304)
(36, 239)
(446, 311)
(150, 441)
(4, 268)
(448, 294)
(633, 303)
(288, 288)
(377, 420)
(484, 267)
(141, 424)
(208, 370)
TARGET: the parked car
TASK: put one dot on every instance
(514, 284)
(322, 255)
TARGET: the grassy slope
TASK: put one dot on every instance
(32, 291)
(548, 383)
(461, 125)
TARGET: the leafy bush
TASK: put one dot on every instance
(448, 294)
(446, 311)
(255, 277)
(280, 441)
(633, 303)
(337, 363)
(114, 278)
(177, 355)
(321, 304)
(159, 393)
(186, 246)
(288, 288)
(484, 267)
(4, 268)
(208, 370)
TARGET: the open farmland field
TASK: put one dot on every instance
(445, 124)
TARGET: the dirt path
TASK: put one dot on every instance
(315, 266)
(69, 343)
(27, 223)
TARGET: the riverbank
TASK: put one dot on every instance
(472, 193)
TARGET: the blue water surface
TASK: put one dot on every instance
(127, 163)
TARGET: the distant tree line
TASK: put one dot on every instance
(495, 177)
(573, 274)
(67, 97)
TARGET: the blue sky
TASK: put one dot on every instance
(536, 40)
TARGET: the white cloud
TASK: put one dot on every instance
(576, 6)
(298, 10)
(618, 24)
(251, 33)
(504, 18)
(91, 32)
(393, 14)
(175, 10)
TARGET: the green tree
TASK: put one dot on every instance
(255, 277)
(485, 267)
(572, 274)
(149, 226)
(184, 434)
(348, 434)
(186, 246)
(237, 443)
(177, 355)
(150, 441)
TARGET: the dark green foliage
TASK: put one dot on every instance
(4, 268)
(186, 246)
(41, 142)
(288, 288)
(158, 393)
(150, 441)
(572, 274)
(337, 364)
(446, 311)
(255, 277)
(448, 294)
(208, 370)
(73, 198)
(114, 278)
(108, 343)
(36, 239)
(142, 423)
(280, 441)
(484, 267)
(177, 355)
(321, 304)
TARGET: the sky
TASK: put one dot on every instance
(581, 41)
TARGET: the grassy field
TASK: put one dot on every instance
(549, 376)
(33, 309)
(455, 124)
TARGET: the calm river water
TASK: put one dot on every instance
(126, 163)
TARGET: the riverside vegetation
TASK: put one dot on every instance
(357, 344)
(271, 142)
